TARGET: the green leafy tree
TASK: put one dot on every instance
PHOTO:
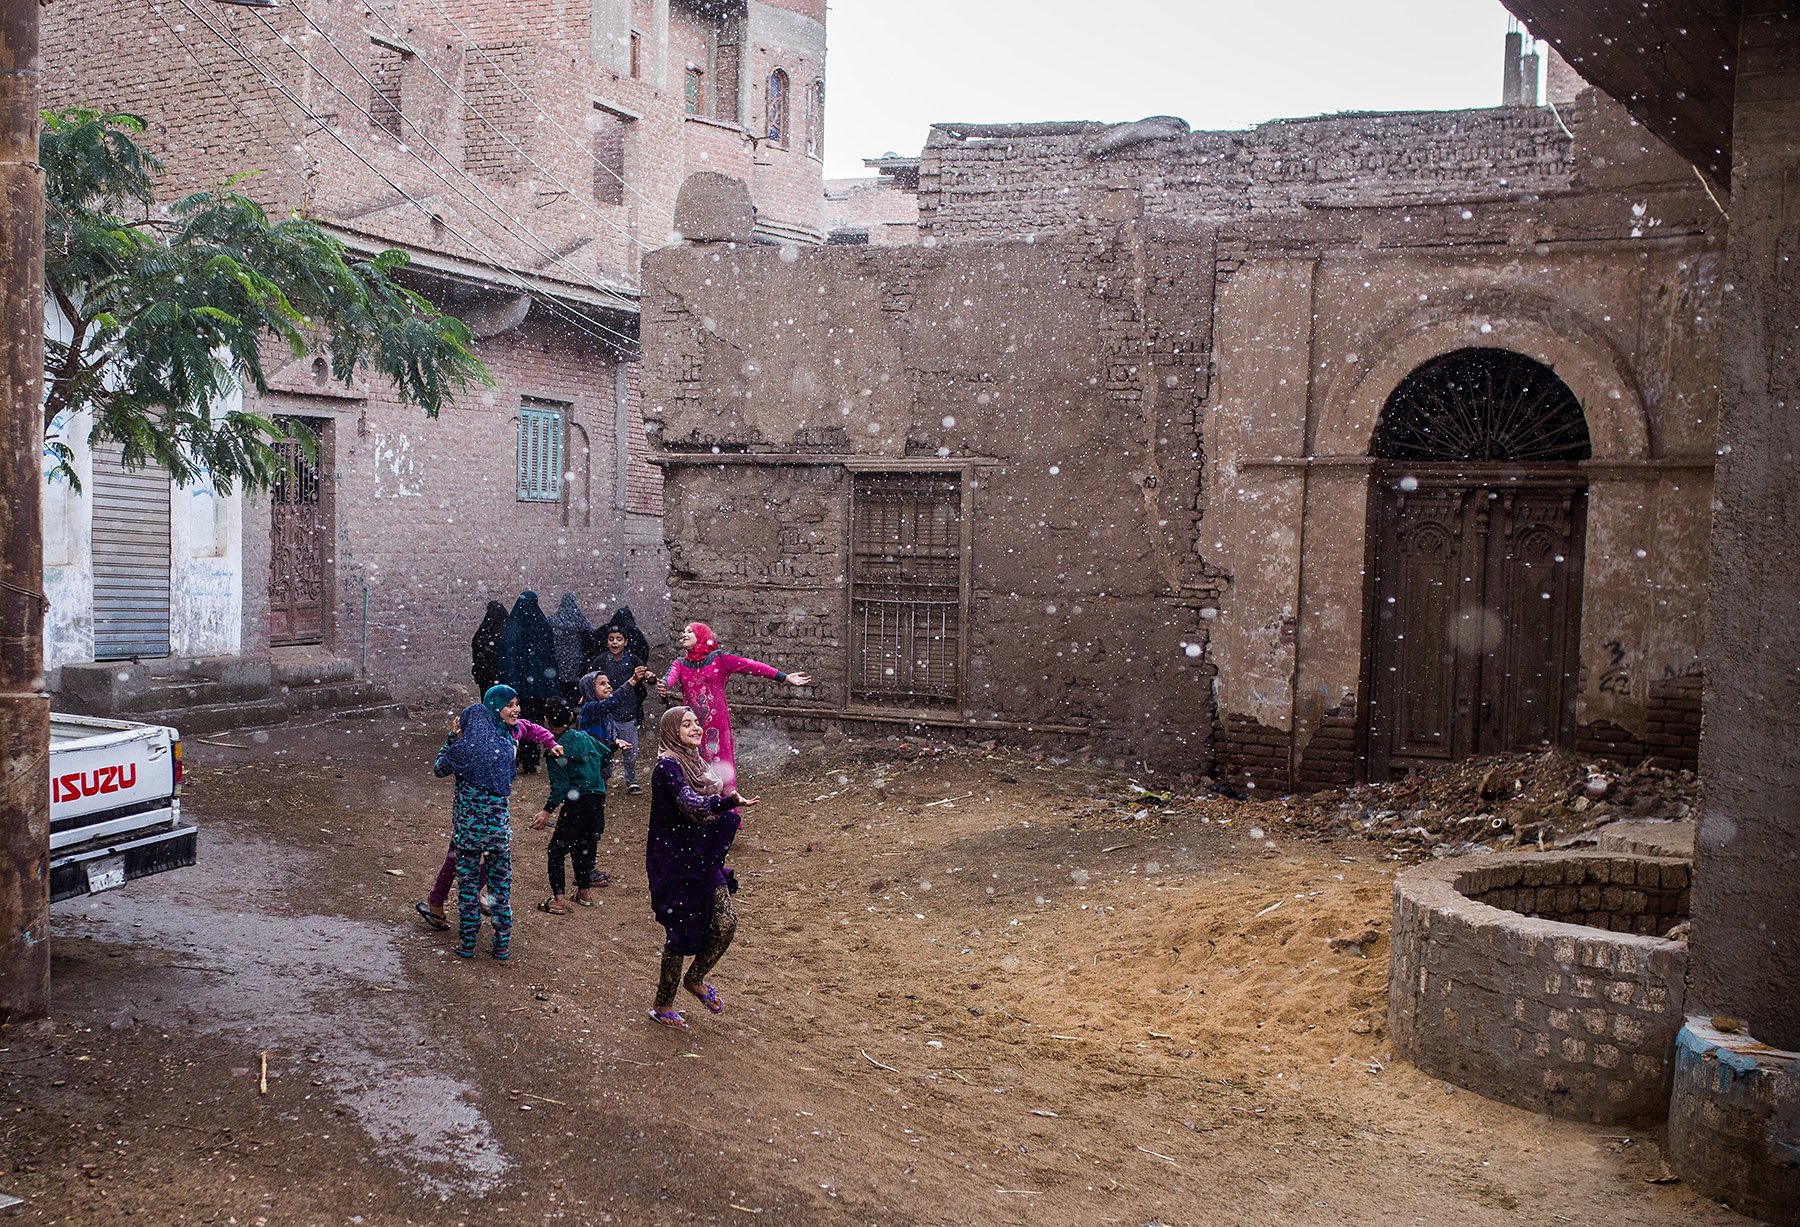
(172, 305)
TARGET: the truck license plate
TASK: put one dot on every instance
(105, 873)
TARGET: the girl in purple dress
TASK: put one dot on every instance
(700, 676)
(692, 825)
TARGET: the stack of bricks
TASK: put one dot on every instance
(1562, 1018)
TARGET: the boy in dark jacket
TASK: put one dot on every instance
(578, 789)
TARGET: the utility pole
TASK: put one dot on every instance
(24, 707)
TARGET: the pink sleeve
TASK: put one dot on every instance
(743, 664)
(536, 734)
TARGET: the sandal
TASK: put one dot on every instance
(709, 998)
(465, 952)
(501, 953)
(580, 902)
(601, 878)
(549, 908)
(670, 1018)
(435, 920)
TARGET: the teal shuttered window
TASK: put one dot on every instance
(540, 453)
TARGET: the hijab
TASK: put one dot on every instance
(569, 632)
(484, 648)
(669, 745)
(495, 699)
(528, 651)
(705, 642)
(483, 752)
(635, 642)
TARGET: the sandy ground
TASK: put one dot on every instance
(968, 987)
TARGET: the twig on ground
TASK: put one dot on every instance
(1160, 1155)
(948, 800)
(877, 1064)
(1118, 847)
(262, 1087)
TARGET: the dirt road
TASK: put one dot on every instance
(967, 988)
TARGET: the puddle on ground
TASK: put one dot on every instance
(308, 987)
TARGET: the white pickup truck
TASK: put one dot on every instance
(115, 804)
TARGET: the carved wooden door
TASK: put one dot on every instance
(1477, 595)
(301, 535)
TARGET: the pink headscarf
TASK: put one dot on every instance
(704, 641)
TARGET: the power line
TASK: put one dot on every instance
(497, 211)
(526, 94)
(595, 330)
(516, 147)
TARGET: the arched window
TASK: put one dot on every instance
(778, 108)
(815, 119)
(1476, 405)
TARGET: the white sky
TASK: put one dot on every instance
(897, 66)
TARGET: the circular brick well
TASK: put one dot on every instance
(1543, 979)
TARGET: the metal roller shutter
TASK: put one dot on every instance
(131, 558)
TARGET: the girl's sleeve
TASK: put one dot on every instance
(743, 664)
(671, 678)
(694, 805)
(536, 734)
(440, 766)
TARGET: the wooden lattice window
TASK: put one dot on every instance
(815, 119)
(907, 598)
(540, 453)
(778, 108)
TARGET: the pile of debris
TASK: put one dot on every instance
(1542, 799)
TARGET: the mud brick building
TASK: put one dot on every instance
(525, 155)
(1380, 438)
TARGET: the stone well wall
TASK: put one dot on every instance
(1574, 1019)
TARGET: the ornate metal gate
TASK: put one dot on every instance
(300, 534)
(1477, 530)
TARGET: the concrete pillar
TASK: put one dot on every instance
(659, 43)
(1509, 70)
(1746, 909)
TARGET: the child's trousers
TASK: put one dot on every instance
(494, 867)
(577, 834)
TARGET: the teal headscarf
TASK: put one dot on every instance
(497, 697)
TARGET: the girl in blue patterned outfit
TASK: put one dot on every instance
(480, 752)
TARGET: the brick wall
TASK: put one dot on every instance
(1560, 1018)
(1033, 179)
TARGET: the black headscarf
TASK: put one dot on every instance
(484, 649)
(571, 631)
(528, 651)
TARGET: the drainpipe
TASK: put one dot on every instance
(363, 658)
(24, 707)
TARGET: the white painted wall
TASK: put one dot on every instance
(206, 565)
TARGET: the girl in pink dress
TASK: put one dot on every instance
(700, 676)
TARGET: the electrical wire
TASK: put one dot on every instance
(607, 336)
(495, 213)
(516, 147)
(526, 94)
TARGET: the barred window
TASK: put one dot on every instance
(906, 588)
(540, 452)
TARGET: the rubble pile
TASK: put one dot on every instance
(1542, 799)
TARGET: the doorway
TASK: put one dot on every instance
(300, 535)
(1478, 522)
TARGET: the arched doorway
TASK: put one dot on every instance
(1476, 534)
